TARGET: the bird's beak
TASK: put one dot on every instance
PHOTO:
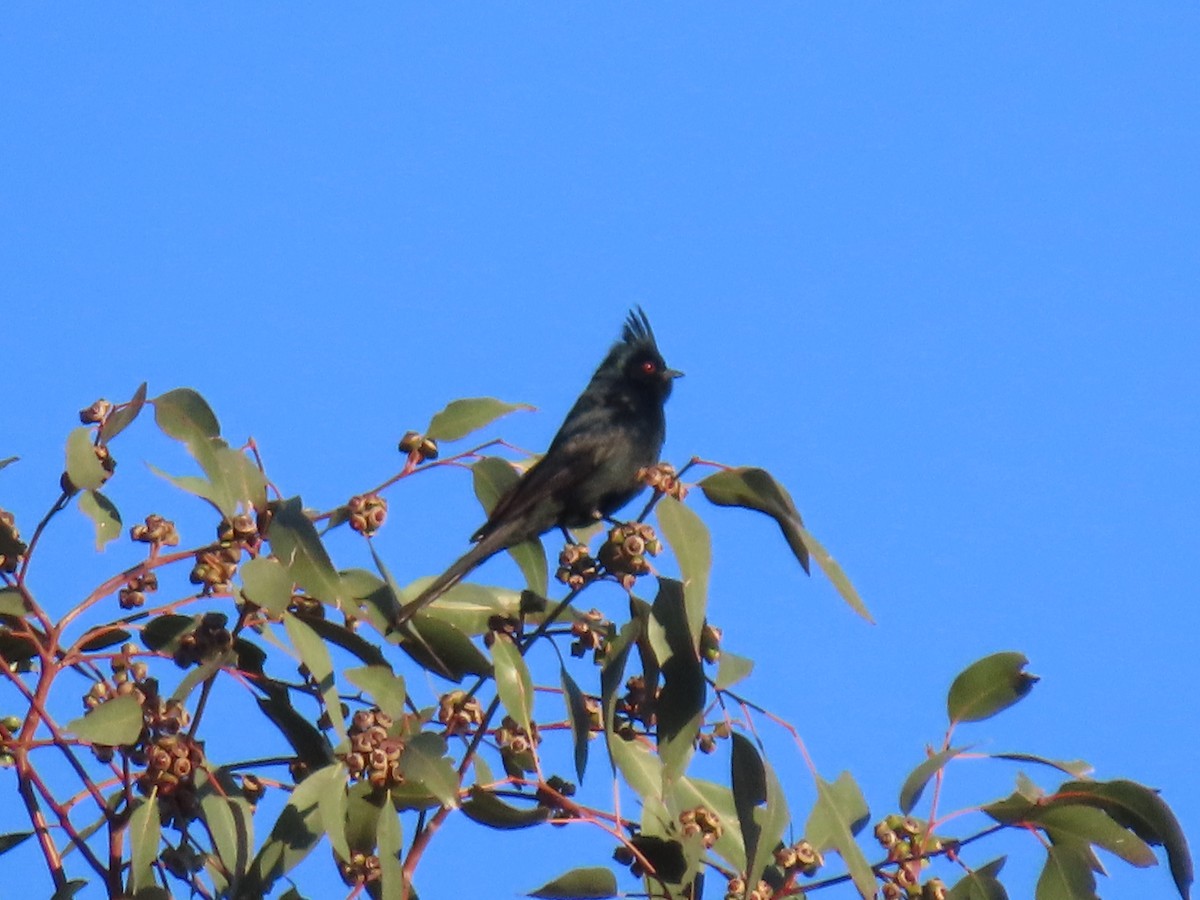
(673, 373)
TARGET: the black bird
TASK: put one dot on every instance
(615, 428)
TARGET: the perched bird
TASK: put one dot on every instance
(590, 471)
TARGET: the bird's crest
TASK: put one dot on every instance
(637, 329)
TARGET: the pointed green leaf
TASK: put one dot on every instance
(759, 803)
(296, 544)
(757, 489)
(689, 540)
(577, 715)
(1143, 811)
(296, 832)
(612, 676)
(8, 461)
(840, 812)
(229, 819)
(914, 784)
(13, 839)
(680, 707)
(1067, 875)
(389, 837)
(989, 686)
(83, 467)
(424, 763)
(461, 417)
(103, 514)
(594, 883)
(492, 478)
(384, 687)
(467, 606)
(1077, 768)
(303, 736)
(266, 583)
(145, 832)
(980, 884)
(484, 807)
(331, 804)
(119, 419)
(114, 723)
(640, 766)
(513, 682)
(731, 669)
(102, 637)
(1088, 825)
(315, 656)
(184, 415)
(441, 648)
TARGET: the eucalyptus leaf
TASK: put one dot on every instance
(104, 516)
(461, 417)
(989, 686)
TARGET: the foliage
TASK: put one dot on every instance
(375, 772)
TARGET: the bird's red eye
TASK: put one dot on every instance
(649, 367)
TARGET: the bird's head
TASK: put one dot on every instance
(637, 358)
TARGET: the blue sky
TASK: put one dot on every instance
(934, 265)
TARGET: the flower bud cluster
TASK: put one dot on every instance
(134, 593)
(702, 821)
(362, 868)
(736, 890)
(517, 746)
(418, 447)
(374, 751)
(171, 764)
(576, 566)
(637, 705)
(207, 640)
(591, 632)
(97, 413)
(459, 712)
(12, 548)
(909, 844)
(155, 530)
(663, 479)
(624, 553)
(215, 568)
(800, 858)
(367, 513)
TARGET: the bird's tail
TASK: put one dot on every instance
(487, 547)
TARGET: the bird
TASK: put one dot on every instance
(615, 429)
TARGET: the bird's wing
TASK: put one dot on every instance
(535, 503)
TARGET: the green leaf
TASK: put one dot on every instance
(1086, 824)
(731, 669)
(840, 812)
(693, 792)
(640, 766)
(12, 603)
(680, 708)
(315, 656)
(83, 467)
(441, 648)
(296, 544)
(304, 737)
(295, 833)
(13, 839)
(1074, 767)
(229, 819)
(577, 715)
(391, 872)
(184, 415)
(120, 418)
(1144, 812)
(688, 537)
(331, 804)
(8, 461)
(114, 723)
(104, 636)
(492, 478)
(758, 800)
(513, 682)
(989, 686)
(461, 417)
(914, 784)
(593, 883)
(145, 833)
(612, 676)
(468, 606)
(384, 687)
(1067, 875)
(484, 807)
(103, 514)
(266, 583)
(980, 884)
(757, 489)
(424, 763)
